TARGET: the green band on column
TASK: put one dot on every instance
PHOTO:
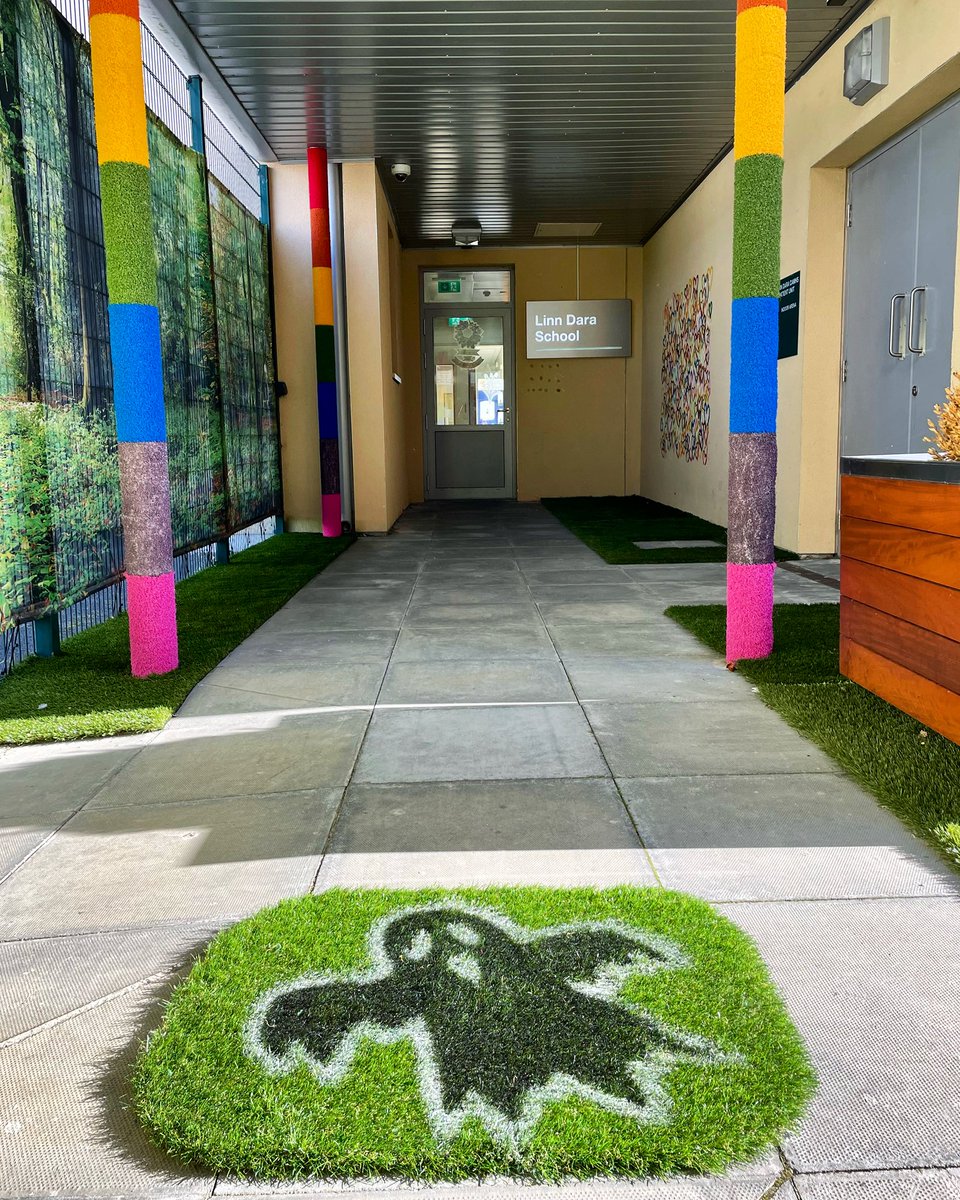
(757, 214)
(128, 233)
(326, 354)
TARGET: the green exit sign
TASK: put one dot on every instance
(446, 286)
(457, 320)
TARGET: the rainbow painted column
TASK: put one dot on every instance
(121, 122)
(326, 348)
(758, 203)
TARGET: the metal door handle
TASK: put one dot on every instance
(921, 347)
(899, 351)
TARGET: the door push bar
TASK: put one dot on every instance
(898, 351)
(921, 346)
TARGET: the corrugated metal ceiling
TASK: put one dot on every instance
(514, 112)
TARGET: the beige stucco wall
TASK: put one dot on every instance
(376, 399)
(825, 134)
(296, 352)
(577, 431)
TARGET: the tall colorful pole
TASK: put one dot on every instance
(121, 122)
(326, 351)
(758, 203)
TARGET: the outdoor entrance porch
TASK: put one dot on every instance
(475, 699)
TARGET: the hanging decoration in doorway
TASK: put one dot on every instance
(121, 124)
(327, 413)
(758, 202)
(467, 334)
(439, 976)
(685, 371)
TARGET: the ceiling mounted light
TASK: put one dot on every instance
(466, 233)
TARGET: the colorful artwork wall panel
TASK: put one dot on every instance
(685, 371)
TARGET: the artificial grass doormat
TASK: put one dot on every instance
(443, 1035)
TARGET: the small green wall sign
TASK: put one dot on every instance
(448, 285)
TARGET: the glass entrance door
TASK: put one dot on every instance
(468, 418)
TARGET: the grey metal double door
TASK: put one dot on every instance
(900, 287)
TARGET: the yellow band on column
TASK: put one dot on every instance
(322, 296)
(761, 66)
(115, 54)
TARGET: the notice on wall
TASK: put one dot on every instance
(579, 328)
(789, 316)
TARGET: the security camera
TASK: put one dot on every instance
(400, 171)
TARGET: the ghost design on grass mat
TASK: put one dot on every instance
(504, 1020)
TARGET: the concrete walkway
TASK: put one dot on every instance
(477, 698)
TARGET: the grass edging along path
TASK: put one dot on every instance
(435, 1035)
(88, 690)
(911, 770)
(610, 525)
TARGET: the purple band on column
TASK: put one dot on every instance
(145, 483)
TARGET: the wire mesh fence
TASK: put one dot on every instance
(60, 537)
(18, 642)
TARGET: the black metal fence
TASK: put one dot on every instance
(60, 538)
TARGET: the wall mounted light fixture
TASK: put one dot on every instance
(866, 62)
(466, 233)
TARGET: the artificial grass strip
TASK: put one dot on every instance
(88, 690)
(610, 525)
(673, 1052)
(911, 770)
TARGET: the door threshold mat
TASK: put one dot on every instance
(438, 1035)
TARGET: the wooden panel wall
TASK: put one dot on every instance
(900, 595)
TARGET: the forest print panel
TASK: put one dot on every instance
(685, 371)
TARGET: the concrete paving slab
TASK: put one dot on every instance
(336, 615)
(367, 583)
(880, 1185)
(658, 573)
(36, 781)
(516, 613)
(195, 758)
(374, 565)
(589, 593)
(529, 814)
(19, 838)
(493, 596)
(664, 595)
(66, 1126)
(472, 641)
(653, 680)
(459, 575)
(489, 681)
(653, 639)
(502, 742)
(291, 685)
(635, 611)
(753, 1186)
(786, 837)
(545, 576)
(872, 986)
(460, 868)
(710, 737)
(205, 860)
(344, 646)
(47, 979)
